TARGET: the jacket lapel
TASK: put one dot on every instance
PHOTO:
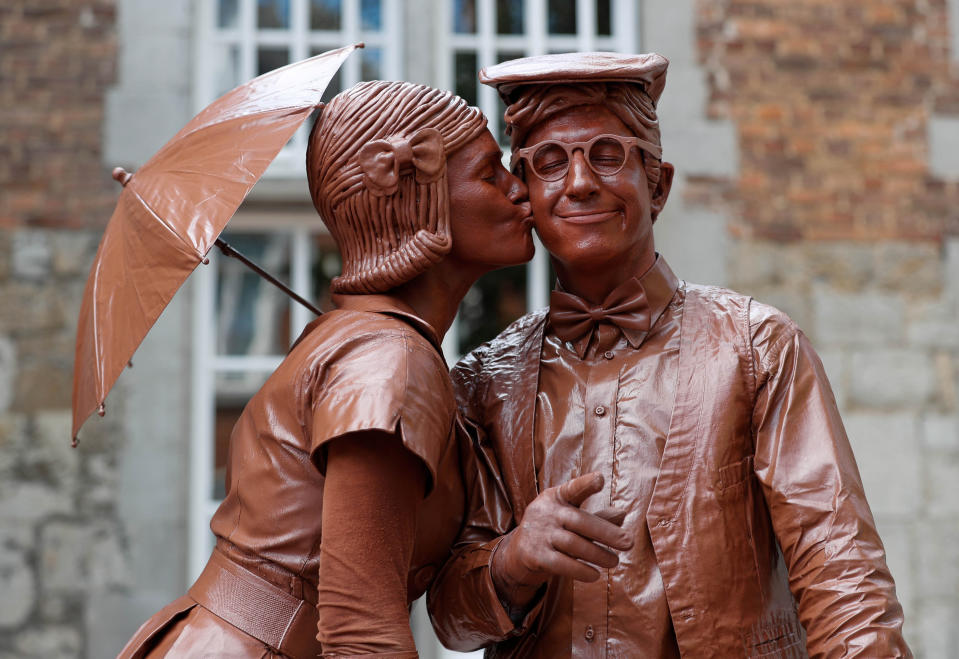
(517, 389)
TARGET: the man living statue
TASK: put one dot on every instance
(662, 470)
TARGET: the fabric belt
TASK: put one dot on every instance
(254, 605)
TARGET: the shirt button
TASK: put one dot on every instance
(589, 633)
(600, 410)
(608, 354)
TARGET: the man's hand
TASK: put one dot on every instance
(556, 538)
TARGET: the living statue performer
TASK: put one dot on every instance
(702, 415)
(343, 483)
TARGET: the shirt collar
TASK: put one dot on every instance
(389, 305)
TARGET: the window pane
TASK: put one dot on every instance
(464, 16)
(325, 14)
(495, 301)
(228, 14)
(604, 21)
(268, 59)
(273, 13)
(562, 16)
(225, 67)
(465, 67)
(371, 64)
(326, 265)
(509, 16)
(253, 316)
(372, 14)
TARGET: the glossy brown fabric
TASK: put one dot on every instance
(370, 365)
(622, 405)
(173, 208)
(758, 521)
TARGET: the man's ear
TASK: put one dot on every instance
(661, 193)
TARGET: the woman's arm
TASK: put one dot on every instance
(373, 486)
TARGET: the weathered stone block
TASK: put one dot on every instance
(73, 252)
(911, 268)
(869, 319)
(20, 501)
(50, 642)
(28, 307)
(885, 446)
(934, 323)
(942, 486)
(938, 633)
(891, 379)
(938, 558)
(941, 431)
(32, 254)
(844, 266)
(18, 586)
(8, 368)
(64, 554)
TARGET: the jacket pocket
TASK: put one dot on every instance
(776, 636)
(732, 475)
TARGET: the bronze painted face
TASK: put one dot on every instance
(489, 212)
(589, 220)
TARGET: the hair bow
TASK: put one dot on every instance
(383, 160)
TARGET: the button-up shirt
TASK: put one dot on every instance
(613, 418)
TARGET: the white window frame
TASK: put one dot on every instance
(299, 226)
(535, 40)
(300, 40)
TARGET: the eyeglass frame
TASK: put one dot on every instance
(571, 147)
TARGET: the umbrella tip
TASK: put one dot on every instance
(75, 442)
(359, 44)
(121, 175)
(101, 409)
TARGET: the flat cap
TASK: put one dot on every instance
(648, 71)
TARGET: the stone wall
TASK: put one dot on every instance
(59, 536)
(843, 215)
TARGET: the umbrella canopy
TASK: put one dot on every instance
(172, 209)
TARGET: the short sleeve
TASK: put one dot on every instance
(391, 380)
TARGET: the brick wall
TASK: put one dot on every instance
(59, 540)
(832, 101)
(837, 217)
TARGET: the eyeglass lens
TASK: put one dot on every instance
(605, 157)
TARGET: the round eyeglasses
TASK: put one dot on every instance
(605, 154)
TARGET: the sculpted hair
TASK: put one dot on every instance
(376, 167)
(530, 105)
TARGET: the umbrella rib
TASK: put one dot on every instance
(191, 249)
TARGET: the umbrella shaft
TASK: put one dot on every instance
(229, 250)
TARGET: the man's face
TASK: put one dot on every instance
(587, 221)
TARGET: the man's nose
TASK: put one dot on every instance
(580, 180)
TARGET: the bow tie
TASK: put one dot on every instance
(574, 320)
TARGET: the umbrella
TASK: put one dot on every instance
(172, 210)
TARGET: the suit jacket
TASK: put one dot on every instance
(759, 523)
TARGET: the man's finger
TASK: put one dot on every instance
(612, 515)
(578, 547)
(559, 564)
(577, 490)
(596, 529)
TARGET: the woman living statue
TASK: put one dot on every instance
(343, 484)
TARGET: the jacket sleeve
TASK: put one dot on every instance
(464, 607)
(836, 562)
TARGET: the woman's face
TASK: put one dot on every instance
(490, 216)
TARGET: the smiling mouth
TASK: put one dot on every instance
(588, 217)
